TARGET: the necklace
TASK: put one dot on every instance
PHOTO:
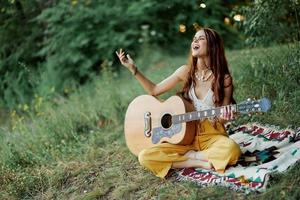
(203, 76)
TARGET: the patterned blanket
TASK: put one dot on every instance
(266, 149)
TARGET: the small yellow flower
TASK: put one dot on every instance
(13, 114)
(66, 90)
(37, 103)
(25, 107)
(74, 2)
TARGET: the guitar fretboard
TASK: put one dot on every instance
(191, 116)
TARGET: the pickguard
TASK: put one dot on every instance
(159, 132)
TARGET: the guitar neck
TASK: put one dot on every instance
(196, 115)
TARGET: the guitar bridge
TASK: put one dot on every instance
(147, 126)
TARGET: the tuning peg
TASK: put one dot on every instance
(254, 98)
(249, 114)
(249, 99)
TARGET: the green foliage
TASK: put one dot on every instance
(19, 37)
(271, 22)
(72, 145)
(164, 20)
(83, 35)
(79, 37)
(50, 47)
(75, 148)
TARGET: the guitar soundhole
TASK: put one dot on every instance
(166, 121)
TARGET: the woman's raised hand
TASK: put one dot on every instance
(126, 60)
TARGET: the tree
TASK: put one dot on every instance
(56, 45)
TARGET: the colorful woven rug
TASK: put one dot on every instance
(266, 149)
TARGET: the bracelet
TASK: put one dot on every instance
(135, 71)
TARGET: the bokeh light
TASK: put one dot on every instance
(227, 21)
(238, 17)
(202, 5)
(182, 28)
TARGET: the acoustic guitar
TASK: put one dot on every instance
(149, 121)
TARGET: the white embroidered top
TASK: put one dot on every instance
(202, 104)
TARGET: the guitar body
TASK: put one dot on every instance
(148, 122)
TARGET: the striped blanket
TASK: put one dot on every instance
(266, 149)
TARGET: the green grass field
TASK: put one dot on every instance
(74, 148)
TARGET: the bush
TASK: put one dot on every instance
(19, 42)
(271, 22)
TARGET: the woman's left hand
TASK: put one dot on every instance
(227, 113)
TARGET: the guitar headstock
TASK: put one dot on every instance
(252, 105)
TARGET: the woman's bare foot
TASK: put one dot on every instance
(203, 164)
(192, 163)
(195, 155)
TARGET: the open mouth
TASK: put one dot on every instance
(196, 47)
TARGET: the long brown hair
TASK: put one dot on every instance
(217, 63)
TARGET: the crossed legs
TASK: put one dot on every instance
(195, 159)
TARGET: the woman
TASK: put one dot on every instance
(207, 84)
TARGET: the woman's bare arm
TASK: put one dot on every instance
(165, 85)
(151, 88)
(227, 90)
(227, 112)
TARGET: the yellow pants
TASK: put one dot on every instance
(212, 140)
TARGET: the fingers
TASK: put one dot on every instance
(117, 53)
(231, 115)
(224, 112)
(121, 52)
(129, 58)
(125, 60)
(121, 56)
(227, 113)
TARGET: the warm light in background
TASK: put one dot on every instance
(238, 17)
(182, 28)
(196, 26)
(202, 5)
(227, 21)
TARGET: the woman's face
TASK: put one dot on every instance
(199, 44)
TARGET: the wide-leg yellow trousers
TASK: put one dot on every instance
(210, 139)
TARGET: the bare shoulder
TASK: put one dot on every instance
(182, 72)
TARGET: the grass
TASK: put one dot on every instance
(74, 148)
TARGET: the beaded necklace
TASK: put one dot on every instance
(204, 77)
